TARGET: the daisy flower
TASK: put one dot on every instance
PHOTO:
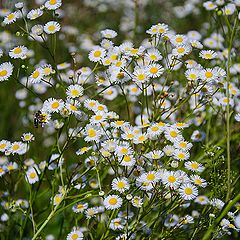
(11, 166)
(36, 76)
(155, 70)
(172, 134)
(137, 201)
(208, 54)
(150, 177)
(178, 40)
(188, 191)
(53, 4)
(28, 137)
(63, 66)
(18, 148)
(47, 69)
(201, 199)
(73, 107)
(83, 150)
(153, 55)
(92, 133)
(171, 179)
(192, 74)
(51, 27)
(209, 5)
(97, 54)
(194, 166)
(140, 138)
(182, 145)
(141, 76)
(53, 105)
(117, 224)
(182, 50)
(6, 70)
(32, 175)
(99, 117)
(108, 33)
(75, 234)
(197, 180)
(74, 91)
(127, 161)
(34, 14)
(180, 155)
(18, 52)
(208, 74)
(124, 149)
(112, 202)
(120, 184)
(11, 18)
(80, 207)
(4, 145)
(57, 199)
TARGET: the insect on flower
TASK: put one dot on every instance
(39, 119)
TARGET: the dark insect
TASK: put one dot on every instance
(39, 119)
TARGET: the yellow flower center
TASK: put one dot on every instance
(171, 179)
(10, 16)
(194, 165)
(120, 184)
(36, 74)
(112, 201)
(74, 236)
(179, 39)
(3, 145)
(154, 70)
(55, 105)
(126, 159)
(208, 74)
(151, 177)
(51, 28)
(141, 77)
(181, 155)
(153, 57)
(92, 133)
(154, 129)
(17, 50)
(32, 175)
(75, 92)
(98, 117)
(188, 191)
(97, 53)
(3, 73)
(198, 181)
(120, 75)
(193, 76)
(124, 150)
(182, 144)
(180, 50)
(15, 147)
(173, 134)
(72, 107)
(52, 2)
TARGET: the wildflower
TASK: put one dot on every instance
(197, 180)
(11, 18)
(63, 66)
(182, 145)
(108, 33)
(188, 191)
(208, 54)
(57, 199)
(6, 70)
(80, 207)
(92, 133)
(4, 145)
(18, 52)
(155, 70)
(32, 175)
(155, 154)
(192, 74)
(75, 234)
(181, 50)
(172, 134)
(117, 224)
(18, 148)
(53, 105)
(51, 27)
(153, 55)
(140, 76)
(53, 4)
(97, 54)
(112, 202)
(28, 137)
(171, 179)
(181, 154)
(171, 220)
(179, 40)
(127, 161)
(137, 201)
(194, 166)
(203, 200)
(34, 14)
(36, 76)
